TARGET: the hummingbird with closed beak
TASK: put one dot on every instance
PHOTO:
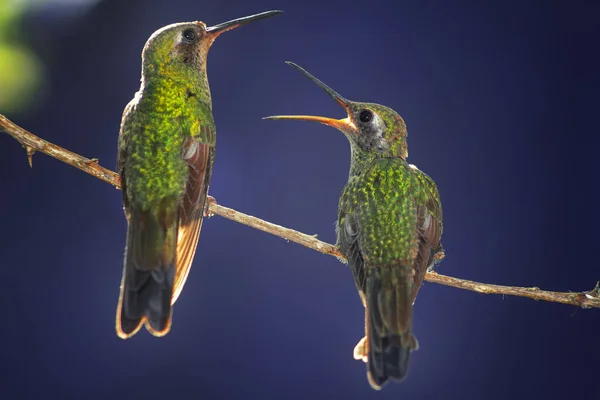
(165, 160)
(389, 229)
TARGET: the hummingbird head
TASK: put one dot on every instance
(186, 44)
(371, 127)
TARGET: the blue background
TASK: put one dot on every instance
(501, 103)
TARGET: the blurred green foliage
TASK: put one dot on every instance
(20, 69)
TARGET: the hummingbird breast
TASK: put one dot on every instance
(384, 201)
(155, 169)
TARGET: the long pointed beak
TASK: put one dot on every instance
(234, 23)
(343, 124)
(334, 95)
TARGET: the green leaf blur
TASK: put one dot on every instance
(20, 69)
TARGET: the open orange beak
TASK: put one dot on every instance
(344, 124)
(235, 23)
(341, 124)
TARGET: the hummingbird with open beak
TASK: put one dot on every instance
(389, 228)
(165, 160)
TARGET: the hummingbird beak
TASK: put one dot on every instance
(234, 23)
(344, 124)
(334, 95)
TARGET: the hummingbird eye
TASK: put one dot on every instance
(365, 116)
(190, 35)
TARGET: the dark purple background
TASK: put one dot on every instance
(501, 103)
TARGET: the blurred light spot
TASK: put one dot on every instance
(53, 9)
(21, 71)
(53, 3)
(20, 77)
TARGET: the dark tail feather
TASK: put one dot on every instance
(148, 276)
(388, 361)
(389, 326)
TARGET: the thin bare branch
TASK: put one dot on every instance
(32, 143)
(286, 233)
(589, 299)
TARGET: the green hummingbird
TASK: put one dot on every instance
(389, 228)
(165, 160)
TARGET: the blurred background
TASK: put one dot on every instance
(501, 104)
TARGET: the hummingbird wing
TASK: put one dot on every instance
(199, 158)
(429, 227)
(123, 143)
(347, 241)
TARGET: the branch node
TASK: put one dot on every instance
(594, 294)
(341, 259)
(30, 152)
(210, 201)
(439, 256)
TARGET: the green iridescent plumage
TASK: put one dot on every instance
(154, 135)
(384, 198)
(166, 156)
(389, 228)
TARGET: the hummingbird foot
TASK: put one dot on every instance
(209, 201)
(361, 350)
(437, 258)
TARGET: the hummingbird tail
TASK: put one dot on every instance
(148, 275)
(389, 325)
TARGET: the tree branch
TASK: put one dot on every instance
(32, 143)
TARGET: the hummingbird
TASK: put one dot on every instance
(165, 159)
(389, 229)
